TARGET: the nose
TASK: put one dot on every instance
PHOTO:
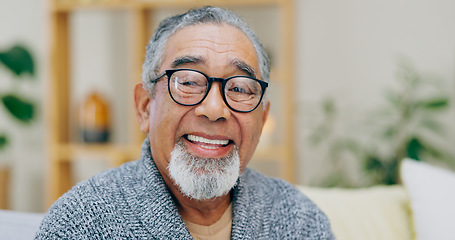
(213, 107)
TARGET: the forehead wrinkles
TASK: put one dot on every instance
(219, 44)
(214, 46)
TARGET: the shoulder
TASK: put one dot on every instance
(292, 213)
(105, 185)
(93, 202)
(276, 188)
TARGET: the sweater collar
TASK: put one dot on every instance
(155, 206)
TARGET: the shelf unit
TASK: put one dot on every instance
(62, 150)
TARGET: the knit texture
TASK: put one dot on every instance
(133, 202)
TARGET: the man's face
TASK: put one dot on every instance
(203, 129)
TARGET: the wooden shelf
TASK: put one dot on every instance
(63, 153)
(113, 152)
(70, 5)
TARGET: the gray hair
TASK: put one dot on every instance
(167, 27)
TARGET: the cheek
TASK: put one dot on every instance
(160, 110)
(162, 129)
(165, 121)
(251, 132)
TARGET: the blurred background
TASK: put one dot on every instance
(372, 82)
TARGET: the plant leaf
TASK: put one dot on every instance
(437, 103)
(413, 148)
(3, 141)
(372, 163)
(20, 109)
(19, 60)
(389, 132)
(329, 107)
(433, 151)
(432, 125)
(391, 172)
(393, 98)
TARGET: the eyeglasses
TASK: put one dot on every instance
(189, 87)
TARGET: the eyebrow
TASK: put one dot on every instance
(241, 65)
(186, 60)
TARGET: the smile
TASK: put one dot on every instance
(207, 143)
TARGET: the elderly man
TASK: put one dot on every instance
(201, 104)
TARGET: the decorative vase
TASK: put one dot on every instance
(94, 120)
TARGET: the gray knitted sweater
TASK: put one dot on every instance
(133, 202)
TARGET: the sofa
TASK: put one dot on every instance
(422, 208)
(380, 212)
(18, 225)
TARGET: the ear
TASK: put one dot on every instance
(142, 100)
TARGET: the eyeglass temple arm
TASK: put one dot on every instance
(158, 78)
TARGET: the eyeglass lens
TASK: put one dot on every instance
(189, 87)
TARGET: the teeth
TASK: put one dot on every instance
(207, 141)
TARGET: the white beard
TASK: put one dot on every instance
(203, 178)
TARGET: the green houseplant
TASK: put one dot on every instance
(407, 126)
(19, 62)
(411, 125)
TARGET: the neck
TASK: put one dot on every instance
(202, 212)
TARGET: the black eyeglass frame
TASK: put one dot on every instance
(210, 80)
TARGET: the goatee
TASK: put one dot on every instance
(203, 178)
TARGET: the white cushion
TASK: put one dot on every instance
(376, 213)
(432, 194)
